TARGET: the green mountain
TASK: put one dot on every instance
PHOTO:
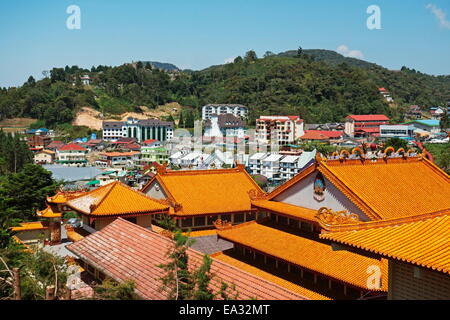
(319, 85)
(169, 67)
(330, 57)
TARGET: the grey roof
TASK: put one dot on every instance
(210, 244)
(227, 120)
(113, 124)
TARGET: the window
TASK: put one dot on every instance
(239, 218)
(132, 220)
(186, 223)
(199, 221)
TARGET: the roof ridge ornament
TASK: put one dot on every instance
(256, 195)
(328, 217)
(222, 224)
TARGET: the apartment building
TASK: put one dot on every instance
(280, 129)
(237, 110)
(224, 125)
(71, 154)
(279, 167)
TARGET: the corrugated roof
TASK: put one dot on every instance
(310, 254)
(425, 242)
(126, 251)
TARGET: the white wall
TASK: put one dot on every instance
(302, 194)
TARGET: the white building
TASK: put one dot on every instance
(277, 167)
(271, 167)
(283, 129)
(237, 110)
(85, 79)
(432, 126)
(224, 125)
(396, 131)
(140, 129)
(290, 166)
(71, 154)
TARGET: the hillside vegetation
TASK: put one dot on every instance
(319, 85)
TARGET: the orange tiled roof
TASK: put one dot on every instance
(207, 191)
(424, 241)
(286, 209)
(29, 226)
(310, 254)
(269, 277)
(57, 198)
(109, 251)
(115, 199)
(48, 213)
(385, 189)
(391, 189)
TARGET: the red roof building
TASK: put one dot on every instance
(364, 125)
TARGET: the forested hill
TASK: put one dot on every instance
(319, 85)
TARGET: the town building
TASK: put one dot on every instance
(71, 154)
(436, 112)
(55, 145)
(153, 151)
(237, 110)
(122, 160)
(44, 157)
(38, 142)
(103, 205)
(279, 167)
(386, 95)
(85, 79)
(431, 126)
(224, 125)
(397, 131)
(140, 129)
(414, 112)
(282, 130)
(322, 136)
(364, 125)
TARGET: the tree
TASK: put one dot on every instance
(181, 121)
(445, 121)
(113, 290)
(181, 282)
(238, 59)
(269, 54)
(397, 143)
(38, 270)
(250, 56)
(25, 192)
(299, 51)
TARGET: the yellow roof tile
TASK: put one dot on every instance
(269, 277)
(286, 209)
(207, 191)
(115, 199)
(424, 242)
(48, 213)
(28, 226)
(314, 255)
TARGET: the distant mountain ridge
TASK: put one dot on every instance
(330, 57)
(162, 66)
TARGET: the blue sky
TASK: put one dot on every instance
(198, 33)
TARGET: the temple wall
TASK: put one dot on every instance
(33, 235)
(407, 282)
(144, 221)
(154, 193)
(302, 194)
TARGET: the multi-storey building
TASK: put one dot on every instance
(71, 154)
(364, 125)
(117, 159)
(139, 129)
(279, 167)
(397, 131)
(224, 125)
(281, 129)
(153, 151)
(236, 109)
